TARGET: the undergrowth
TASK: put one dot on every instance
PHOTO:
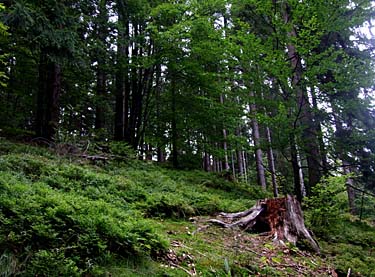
(348, 242)
(66, 216)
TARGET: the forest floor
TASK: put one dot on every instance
(198, 249)
(64, 215)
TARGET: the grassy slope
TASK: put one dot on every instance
(66, 217)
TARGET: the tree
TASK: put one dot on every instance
(48, 30)
(3, 36)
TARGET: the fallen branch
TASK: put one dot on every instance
(94, 158)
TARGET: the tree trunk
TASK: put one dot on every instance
(240, 164)
(296, 168)
(102, 33)
(343, 156)
(351, 193)
(233, 167)
(261, 176)
(304, 113)
(281, 218)
(122, 76)
(100, 93)
(225, 145)
(318, 127)
(271, 163)
(239, 155)
(347, 169)
(149, 152)
(245, 165)
(174, 126)
(48, 110)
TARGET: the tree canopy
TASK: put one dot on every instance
(274, 92)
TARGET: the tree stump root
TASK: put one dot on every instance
(282, 218)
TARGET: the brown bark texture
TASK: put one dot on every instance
(281, 218)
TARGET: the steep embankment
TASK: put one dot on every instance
(64, 216)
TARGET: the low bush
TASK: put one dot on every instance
(41, 224)
(326, 204)
(348, 242)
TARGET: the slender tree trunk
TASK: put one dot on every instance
(240, 163)
(271, 163)
(261, 176)
(239, 155)
(349, 187)
(48, 110)
(296, 169)
(100, 73)
(159, 129)
(244, 155)
(233, 167)
(225, 145)
(301, 177)
(206, 162)
(149, 152)
(259, 158)
(343, 156)
(214, 164)
(174, 126)
(122, 77)
(135, 96)
(318, 123)
(100, 93)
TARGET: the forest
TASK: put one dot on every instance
(119, 115)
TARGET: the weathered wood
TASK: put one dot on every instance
(95, 158)
(282, 218)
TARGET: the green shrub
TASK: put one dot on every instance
(327, 202)
(35, 219)
(31, 166)
(122, 150)
(167, 206)
(51, 263)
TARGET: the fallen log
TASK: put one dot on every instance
(281, 218)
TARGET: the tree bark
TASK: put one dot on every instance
(225, 145)
(318, 127)
(297, 178)
(343, 156)
(271, 163)
(240, 164)
(100, 93)
(102, 34)
(174, 126)
(122, 76)
(261, 176)
(48, 110)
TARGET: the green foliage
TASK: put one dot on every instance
(3, 35)
(327, 202)
(62, 220)
(350, 245)
(75, 218)
(122, 150)
(348, 241)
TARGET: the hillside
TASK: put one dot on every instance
(64, 215)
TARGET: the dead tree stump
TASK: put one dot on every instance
(280, 217)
